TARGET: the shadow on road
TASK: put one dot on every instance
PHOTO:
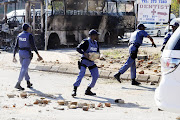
(112, 101)
(49, 96)
(144, 88)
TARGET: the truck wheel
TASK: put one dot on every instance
(159, 33)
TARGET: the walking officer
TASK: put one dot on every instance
(25, 43)
(135, 42)
(87, 46)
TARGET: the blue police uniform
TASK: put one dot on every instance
(25, 43)
(135, 42)
(166, 38)
(87, 46)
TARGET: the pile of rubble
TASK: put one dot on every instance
(63, 104)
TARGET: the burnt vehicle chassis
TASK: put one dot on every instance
(71, 20)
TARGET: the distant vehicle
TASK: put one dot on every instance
(169, 28)
(167, 94)
(155, 28)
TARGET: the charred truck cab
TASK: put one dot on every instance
(70, 20)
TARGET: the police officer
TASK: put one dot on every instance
(169, 34)
(87, 46)
(134, 43)
(25, 43)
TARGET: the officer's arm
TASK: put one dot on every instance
(33, 46)
(16, 47)
(82, 47)
(150, 39)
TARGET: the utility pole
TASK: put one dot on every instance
(46, 16)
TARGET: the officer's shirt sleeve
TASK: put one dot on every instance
(16, 46)
(166, 38)
(33, 46)
(83, 46)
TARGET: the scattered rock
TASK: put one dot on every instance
(119, 101)
(141, 72)
(111, 62)
(178, 118)
(97, 108)
(23, 95)
(61, 102)
(152, 83)
(92, 105)
(80, 105)
(11, 95)
(29, 105)
(100, 105)
(14, 105)
(150, 62)
(36, 102)
(72, 106)
(45, 101)
(148, 66)
(85, 108)
(58, 108)
(73, 103)
(108, 104)
(5, 106)
(155, 71)
(42, 98)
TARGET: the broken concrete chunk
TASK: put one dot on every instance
(61, 102)
(73, 103)
(72, 106)
(85, 108)
(100, 105)
(141, 72)
(45, 101)
(23, 95)
(108, 104)
(119, 101)
(11, 95)
(92, 105)
(58, 108)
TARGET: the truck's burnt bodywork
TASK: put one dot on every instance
(71, 20)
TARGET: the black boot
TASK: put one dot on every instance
(18, 86)
(74, 91)
(88, 92)
(29, 85)
(134, 82)
(117, 76)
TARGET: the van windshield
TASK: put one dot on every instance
(174, 41)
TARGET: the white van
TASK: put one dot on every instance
(155, 28)
(167, 94)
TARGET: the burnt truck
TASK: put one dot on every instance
(70, 21)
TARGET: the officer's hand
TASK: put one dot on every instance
(86, 55)
(153, 45)
(14, 60)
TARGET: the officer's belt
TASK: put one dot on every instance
(25, 48)
(90, 67)
(135, 44)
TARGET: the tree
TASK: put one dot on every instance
(175, 8)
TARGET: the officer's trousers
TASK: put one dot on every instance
(25, 61)
(94, 74)
(130, 63)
